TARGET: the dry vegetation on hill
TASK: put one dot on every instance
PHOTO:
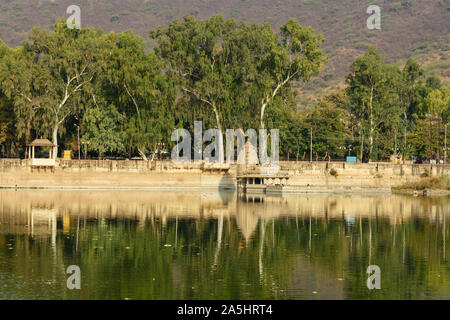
(410, 28)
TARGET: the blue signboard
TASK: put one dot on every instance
(351, 159)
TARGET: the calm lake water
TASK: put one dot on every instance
(188, 245)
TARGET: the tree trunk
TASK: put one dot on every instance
(406, 122)
(395, 142)
(362, 147)
(85, 152)
(431, 141)
(445, 144)
(28, 132)
(439, 142)
(371, 124)
(219, 127)
(55, 140)
(263, 108)
(155, 149)
(142, 154)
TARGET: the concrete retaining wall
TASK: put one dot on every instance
(305, 176)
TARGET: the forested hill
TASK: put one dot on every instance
(410, 28)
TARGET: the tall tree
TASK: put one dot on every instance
(192, 52)
(294, 56)
(373, 97)
(438, 103)
(144, 95)
(22, 83)
(329, 126)
(101, 129)
(60, 63)
(237, 69)
(410, 74)
(7, 118)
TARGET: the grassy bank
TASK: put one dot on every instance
(435, 185)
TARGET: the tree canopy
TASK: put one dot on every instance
(125, 99)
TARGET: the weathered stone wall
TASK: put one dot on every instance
(165, 174)
(357, 175)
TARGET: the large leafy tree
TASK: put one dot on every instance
(237, 70)
(142, 92)
(265, 63)
(101, 129)
(330, 131)
(193, 54)
(7, 118)
(373, 97)
(419, 138)
(52, 69)
(438, 103)
(407, 89)
(22, 83)
(294, 55)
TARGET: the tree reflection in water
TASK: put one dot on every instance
(174, 245)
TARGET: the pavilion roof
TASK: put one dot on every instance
(41, 143)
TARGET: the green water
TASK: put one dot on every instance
(186, 245)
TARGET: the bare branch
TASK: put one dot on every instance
(198, 96)
(26, 97)
(134, 100)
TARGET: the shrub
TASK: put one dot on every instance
(333, 172)
(109, 6)
(425, 174)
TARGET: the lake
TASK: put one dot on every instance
(221, 245)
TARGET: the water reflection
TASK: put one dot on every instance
(225, 245)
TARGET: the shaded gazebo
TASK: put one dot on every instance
(41, 162)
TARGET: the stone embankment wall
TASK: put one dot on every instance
(318, 176)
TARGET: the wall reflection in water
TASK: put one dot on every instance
(221, 245)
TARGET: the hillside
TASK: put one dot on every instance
(410, 28)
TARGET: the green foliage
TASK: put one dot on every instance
(7, 121)
(419, 138)
(227, 74)
(239, 69)
(101, 130)
(47, 78)
(438, 103)
(109, 6)
(330, 133)
(374, 102)
(333, 172)
(141, 92)
(396, 6)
